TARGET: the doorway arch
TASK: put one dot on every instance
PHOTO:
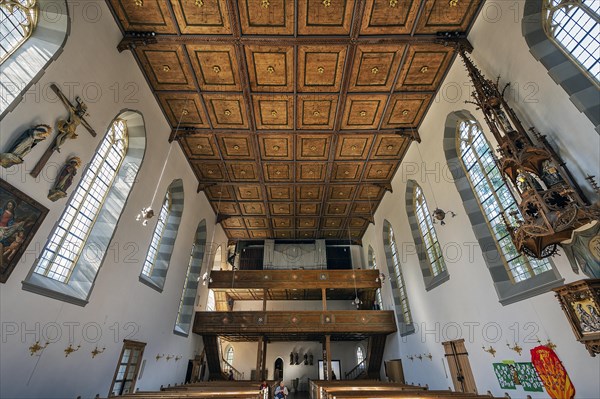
(278, 373)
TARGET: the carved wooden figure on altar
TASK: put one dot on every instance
(64, 179)
(24, 144)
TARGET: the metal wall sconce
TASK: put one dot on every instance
(410, 357)
(96, 352)
(158, 357)
(419, 357)
(70, 350)
(169, 357)
(490, 350)
(428, 356)
(549, 344)
(177, 358)
(35, 348)
(515, 348)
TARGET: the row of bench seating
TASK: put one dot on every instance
(208, 390)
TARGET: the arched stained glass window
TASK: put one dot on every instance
(373, 265)
(400, 296)
(66, 242)
(229, 355)
(574, 25)
(360, 357)
(18, 19)
(494, 198)
(431, 246)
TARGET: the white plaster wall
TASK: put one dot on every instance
(245, 358)
(467, 306)
(120, 306)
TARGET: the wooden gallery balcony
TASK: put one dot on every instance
(295, 325)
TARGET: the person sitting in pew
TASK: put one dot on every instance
(281, 392)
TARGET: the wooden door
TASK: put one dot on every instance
(394, 371)
(460, 368)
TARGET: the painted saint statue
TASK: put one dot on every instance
(24, 144)
(64, 179)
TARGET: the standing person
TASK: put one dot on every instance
(281, 392)
(230, 375)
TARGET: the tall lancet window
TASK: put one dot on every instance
(18, 19)
(431, 246)
(574, 25)
(157, 236)
(373, 265)
(65, 245)
(494, 197)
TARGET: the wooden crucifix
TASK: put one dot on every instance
(65, 128)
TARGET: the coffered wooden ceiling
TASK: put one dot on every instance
(294, 115)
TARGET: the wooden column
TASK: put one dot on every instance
(259, 357)
(264, 360)
(264, 300)
(327, 357)
(324, 298)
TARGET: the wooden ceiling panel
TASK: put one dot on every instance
(307, 223)
(370, 193)
(278, 172)
(267, 17)
(280, 193)
(282, 222)
(380, 171)
(270, 68)
(320, 68)
(316, 112)
(309, 193)
(337, 208)
(257, 223)
(293, 111)
(152, 15)
(340, 192)
(227, 111)
(220, 192)
(252, 208)
(233, 223)
(281, 209)
(390, 146)
(312, 147)
(166, 67)
(310, 171)
(200, 146)
(406, 110)
(236, 146)
(210, 171)
(389, 17)
(249, 192)
(308, 209)
(363, 111)
(215, 66)
(346, 171)
(184, 107)
(375, 67)
(331, 16)
(446, 16)
(242, 171)
(206, 17)
(353, 146)
(332, 223)
(273, 111)
(424, 67)
(276, 147)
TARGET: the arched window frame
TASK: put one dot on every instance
(423, 231)
(373, 265)
(229, 353)
(360, 355)
(20, 18)
(508, 291)
(582, 17)
(185, 312)
(399, 292)
(582, 89)
(78, 281)
(27, 63)
(158, 258)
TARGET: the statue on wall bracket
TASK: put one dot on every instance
(24, 144)
(66, 127)
(64, 179)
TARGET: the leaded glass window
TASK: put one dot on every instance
(431, 246)
(159, 230)
(404, 305)
(373, 265)
(494, 198)
(18, 19)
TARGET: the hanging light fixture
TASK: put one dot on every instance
(147, 213)
(438, 213)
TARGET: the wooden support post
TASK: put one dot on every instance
(324, 298)
(265, 300)
(327, 358)
(263, 370)
(259, 357)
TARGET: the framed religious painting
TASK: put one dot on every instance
(580, 301)
(20, 218)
